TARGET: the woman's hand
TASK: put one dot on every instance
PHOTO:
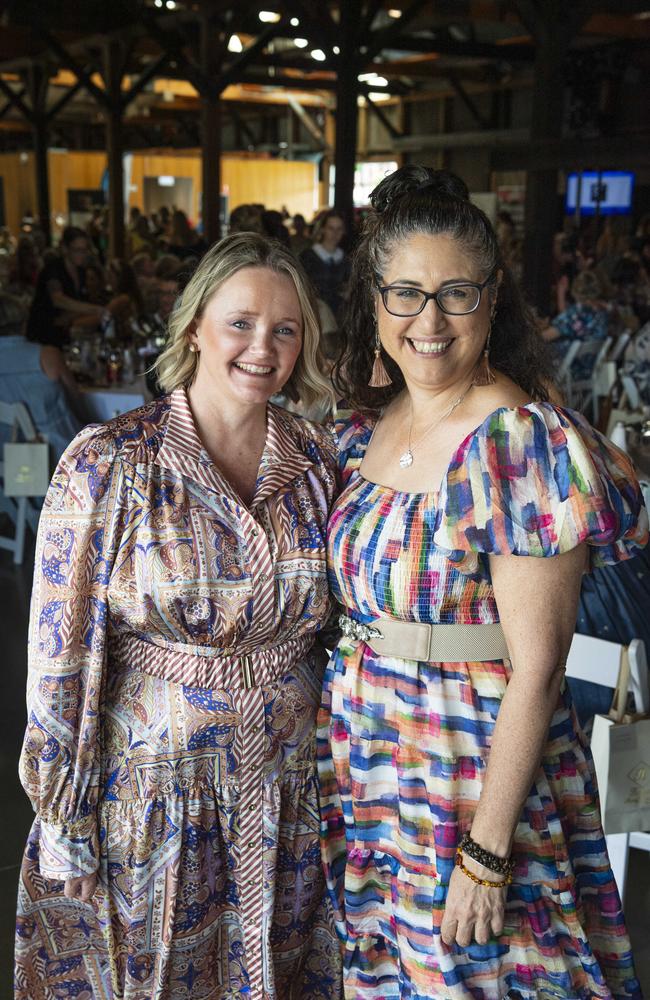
(80, 888)
(472, 912)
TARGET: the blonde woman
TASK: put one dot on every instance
(173, 685)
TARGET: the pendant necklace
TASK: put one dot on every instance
(406, 458)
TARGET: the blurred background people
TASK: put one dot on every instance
(60, 293)
(326, 263)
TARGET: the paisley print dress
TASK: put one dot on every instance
(403, 745)
(173, 689)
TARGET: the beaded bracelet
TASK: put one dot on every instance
(502, 866)
(475, 878)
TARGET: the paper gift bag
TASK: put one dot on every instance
(26, 469)
(620, 745)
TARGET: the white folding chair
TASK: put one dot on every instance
(620, 345)
(573, 389)
(20, 511)
(598, 661)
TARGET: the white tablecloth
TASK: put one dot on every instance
(103, 404)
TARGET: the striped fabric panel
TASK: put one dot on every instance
(208, 669)
(251, 858)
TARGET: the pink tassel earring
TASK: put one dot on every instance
(379, 378)
(484, 374)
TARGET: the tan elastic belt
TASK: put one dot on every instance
(452, 643)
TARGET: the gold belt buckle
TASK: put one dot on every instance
(247, 672)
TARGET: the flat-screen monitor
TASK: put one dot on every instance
(609, 192)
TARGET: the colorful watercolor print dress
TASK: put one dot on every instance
(403, 744)
(173, 691)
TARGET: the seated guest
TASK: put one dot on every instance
(613, 606)
(145, 273)
(96, 291)
(587, 318)
(37, 375)
(299, 240)
(326, 263)
(246, 219)
(140, 237)
(126, 304)
(61, 291)
(167, 287)
(184, 240)
(274, 227)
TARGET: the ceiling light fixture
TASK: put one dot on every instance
(300, 43)
(394, 12)
(318, 55)
(235, 44)
(294, 22)
(269, 16)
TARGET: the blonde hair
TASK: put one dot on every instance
(177, 365)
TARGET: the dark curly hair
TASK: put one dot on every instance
(416, 199)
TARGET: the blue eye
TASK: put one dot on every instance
(286, 331)
(240, 324)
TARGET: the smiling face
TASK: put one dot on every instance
(249, 337)
(434, 350)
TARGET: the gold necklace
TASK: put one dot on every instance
(406, 458)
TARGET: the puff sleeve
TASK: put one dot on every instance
(352, 432)
(59, 765)
(537, 480)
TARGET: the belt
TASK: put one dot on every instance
(452, 643)
(208, 666)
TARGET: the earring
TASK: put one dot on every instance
(379, 378)
(484, 374)
(193, 348)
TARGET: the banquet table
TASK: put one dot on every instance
(104, 402)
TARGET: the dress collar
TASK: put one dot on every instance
(282, 460)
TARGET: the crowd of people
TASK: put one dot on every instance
(64, 312)
(236, 795)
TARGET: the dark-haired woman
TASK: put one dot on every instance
(462, 841)
(326, 262)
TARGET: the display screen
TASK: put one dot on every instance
(608, 192)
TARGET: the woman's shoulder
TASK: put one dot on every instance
(125, 436)
(538, 479)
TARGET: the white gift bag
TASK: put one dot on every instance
(620, 745)
(26, 469)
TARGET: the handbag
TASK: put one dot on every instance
(620, 745)
(26, 471)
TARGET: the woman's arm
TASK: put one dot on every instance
(537, 600)
(60, 766)
(538, 606)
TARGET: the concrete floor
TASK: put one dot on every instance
(16, 816)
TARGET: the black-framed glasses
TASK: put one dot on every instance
(459, 299)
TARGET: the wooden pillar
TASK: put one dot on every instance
(553, 24)
(113, 68)
(542, 185)
(37, 86)
(40, 133)
(347, 92)
(210, 130)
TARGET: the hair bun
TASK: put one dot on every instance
(413, 178)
